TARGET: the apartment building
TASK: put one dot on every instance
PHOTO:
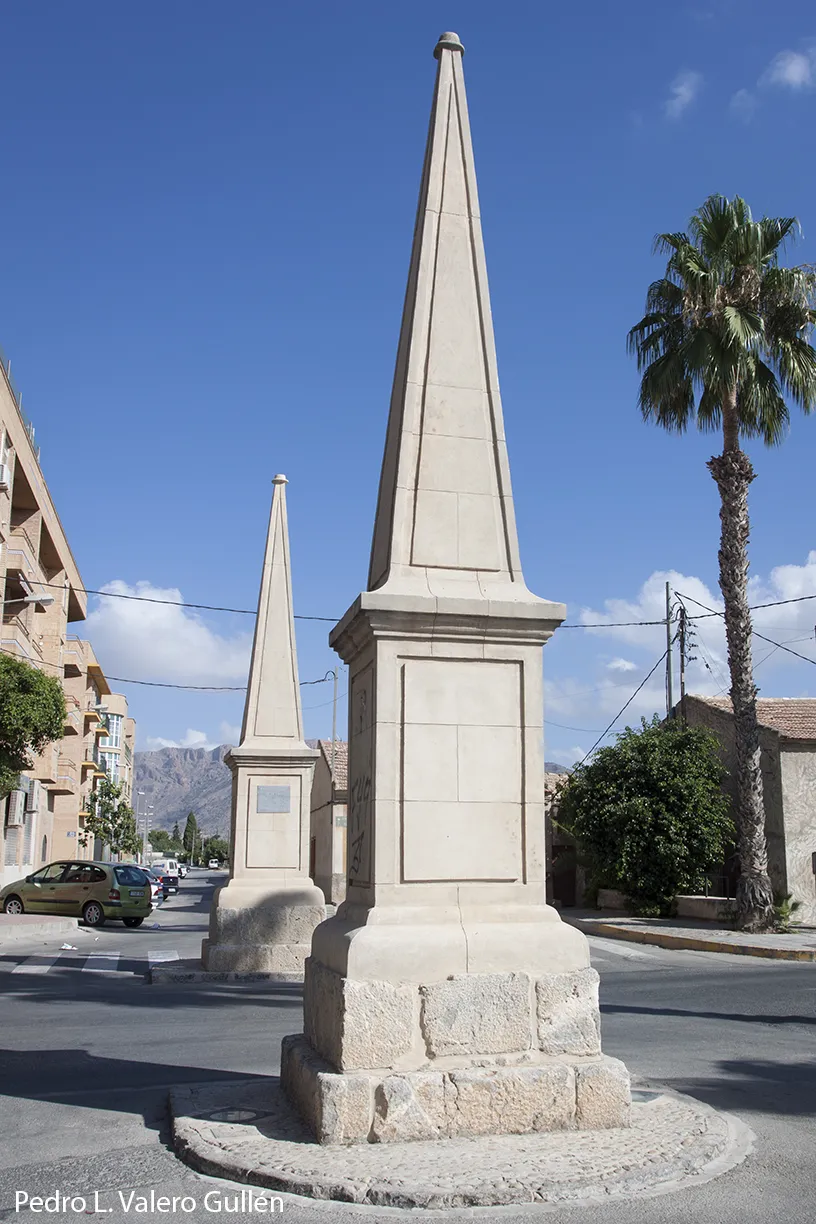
(41, 594)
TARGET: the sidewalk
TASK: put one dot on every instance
(694, 934)
(33, 926)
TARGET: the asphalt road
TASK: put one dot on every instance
(90, 1049)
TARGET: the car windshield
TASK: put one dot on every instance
(130, 875)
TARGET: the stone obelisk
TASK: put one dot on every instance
(446, 998)
(262, 919)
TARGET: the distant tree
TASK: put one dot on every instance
(32, 714)
(176, 834)
(216, 848)
(191, 837)
(725, 344)
(111, 820)
(650, 814)
(161, 841)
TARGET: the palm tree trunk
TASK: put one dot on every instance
(733, 473)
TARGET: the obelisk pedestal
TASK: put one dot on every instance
(445, 998)
(262, 920)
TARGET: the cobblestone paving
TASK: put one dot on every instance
(672, 1142)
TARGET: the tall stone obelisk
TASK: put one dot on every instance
(445, 997)
(263, 918)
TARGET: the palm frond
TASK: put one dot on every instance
(725, 315)
(761, 407)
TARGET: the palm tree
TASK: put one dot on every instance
(725, 344)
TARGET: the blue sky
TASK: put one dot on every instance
(206, 220)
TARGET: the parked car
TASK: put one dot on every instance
(182, 870)
(160, 890)
(95, 892)
(168, 875)
(213, 864)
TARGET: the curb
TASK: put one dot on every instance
(666, 939)
(12, 933)
(176, 973)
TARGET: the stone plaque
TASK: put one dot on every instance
(273, 799)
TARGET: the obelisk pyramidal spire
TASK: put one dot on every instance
(272, 716)
(445, 507)
(262, 920)
(445, 997)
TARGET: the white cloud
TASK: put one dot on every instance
(190, 739)
(586, 704)
(790, 70)
(159, 641)
(743, 104)
(565, 756)
(230, 733)
(621, 665)
(683, 90)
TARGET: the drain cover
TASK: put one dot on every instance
(233, 1115)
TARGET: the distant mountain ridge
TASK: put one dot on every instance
(181, 780)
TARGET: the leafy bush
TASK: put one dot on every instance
(650, 814)
(32, 714)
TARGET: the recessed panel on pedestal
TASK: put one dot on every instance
(273, 827)
(462, 770)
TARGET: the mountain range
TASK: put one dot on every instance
(181, 780)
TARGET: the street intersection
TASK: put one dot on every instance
(90, 1051)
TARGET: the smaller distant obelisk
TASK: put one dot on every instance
(262, 919)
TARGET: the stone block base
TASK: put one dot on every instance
(552, 1094)
(262, 928)
(253, 958)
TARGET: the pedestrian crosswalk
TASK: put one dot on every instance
(104, 964)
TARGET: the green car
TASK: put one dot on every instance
(91, 891)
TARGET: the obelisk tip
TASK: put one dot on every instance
(448, 42)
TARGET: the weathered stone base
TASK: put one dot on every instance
(552, 1094)
(405, 1026)
(254, 958)
(262, 929)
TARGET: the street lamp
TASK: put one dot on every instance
(44, 601)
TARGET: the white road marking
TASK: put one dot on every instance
(161, 957)
(36, 964)
(618, 947)
(101, 962)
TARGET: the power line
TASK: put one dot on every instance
(621, 711)
(331, 620)
(756, 633)
(178, 603)
(562, 727)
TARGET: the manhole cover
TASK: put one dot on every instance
(233, 1115)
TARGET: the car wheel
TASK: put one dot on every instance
(133, 922)
(93, 915)
(13, 905)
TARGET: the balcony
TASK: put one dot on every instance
(73, 716)
(65, 782)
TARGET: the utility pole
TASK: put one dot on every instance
(683, 666)
(334, 725)
(669, 694)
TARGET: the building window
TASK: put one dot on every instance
(110, 763)
(114, 737)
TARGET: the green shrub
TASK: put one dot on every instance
(650, 814)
